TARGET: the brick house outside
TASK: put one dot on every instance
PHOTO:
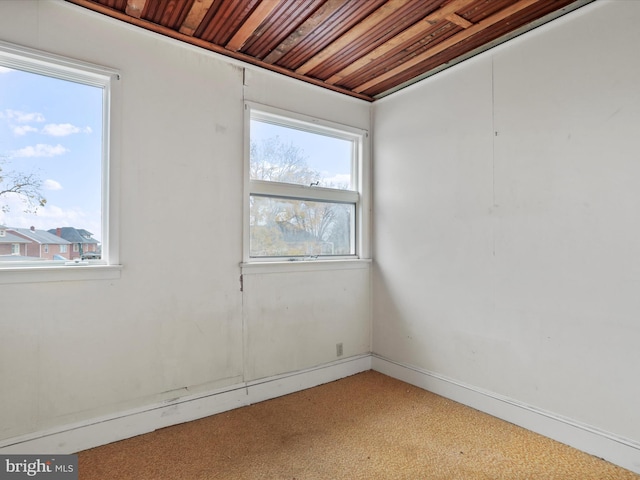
(43, 244)
(12, 247)
(82, 243)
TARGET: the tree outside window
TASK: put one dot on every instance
(304, 196)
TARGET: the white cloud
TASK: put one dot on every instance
(62, 129)
(5, 70)
(40, 150)
(340, 179)
(22, 117)
(50, 184)
(23, 129)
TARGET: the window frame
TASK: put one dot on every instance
(40, 62)
(357, 196)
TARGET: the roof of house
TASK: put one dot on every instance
(74, 235)
(9, 237)
(85, 233)
(41, 236)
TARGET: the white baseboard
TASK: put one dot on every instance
(100, 431)
(614, 449)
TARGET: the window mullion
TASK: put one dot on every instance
(275, 189)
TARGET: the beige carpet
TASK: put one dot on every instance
(368, 426)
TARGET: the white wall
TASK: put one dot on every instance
(316, 306)
(506, 240)
(175, 323)
(506, 235)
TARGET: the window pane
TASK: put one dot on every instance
(50, 164)
(290, 155)
(286, 227)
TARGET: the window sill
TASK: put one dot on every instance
(255, 268)
(58, 273)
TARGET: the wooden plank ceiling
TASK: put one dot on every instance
(363, 48)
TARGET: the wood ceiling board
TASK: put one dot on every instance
(338, 23)
(195, 16)
(478, 10)
(251, 24)
(402, 53)
(320, 15)
(450, 42)
(115, 4)
(227, 18)
(388, 28)
(423, 28)
(170, 13)
(135, 7)
(285, 20)
(458, 20)
(474, 45)
(211, 47)
(364, 48)
(354, 34)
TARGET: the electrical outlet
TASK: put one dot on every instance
(339, 349)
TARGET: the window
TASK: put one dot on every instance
(15, 249)
(304, 187)
(46, 248)
(54, 150)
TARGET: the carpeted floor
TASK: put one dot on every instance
(368, 426)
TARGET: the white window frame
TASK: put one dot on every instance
(360, 179)
(108, 267)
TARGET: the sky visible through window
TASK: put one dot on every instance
(52, 128)
(330, 156)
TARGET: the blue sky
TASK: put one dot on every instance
(52, 128)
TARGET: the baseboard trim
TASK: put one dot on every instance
(610, 447)
(100, 431)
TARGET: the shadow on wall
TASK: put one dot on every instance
(395, 336)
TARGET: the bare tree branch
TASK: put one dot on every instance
(27, 186)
